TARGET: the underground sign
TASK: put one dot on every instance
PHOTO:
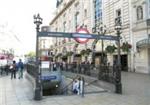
(82, 40)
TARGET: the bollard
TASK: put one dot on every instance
(81, 89)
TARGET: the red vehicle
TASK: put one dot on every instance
(5, 62)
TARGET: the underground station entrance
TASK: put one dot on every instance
(49, 76)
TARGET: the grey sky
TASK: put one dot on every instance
(17, 18)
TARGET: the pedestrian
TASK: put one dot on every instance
(54, 66)
(75, 87)
(61, 66)
(20, 67)
(13, 69)
(7, 68)
(64, 65)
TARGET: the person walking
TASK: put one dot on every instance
(13, 69)
(20, 68)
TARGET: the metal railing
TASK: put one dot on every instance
(105, 73)
(32, 69)
(101, 72)
(4, 69)
(68, 87)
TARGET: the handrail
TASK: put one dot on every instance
(91, 82)
(63, 89)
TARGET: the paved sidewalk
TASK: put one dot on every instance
(20, 92)
(136, 84)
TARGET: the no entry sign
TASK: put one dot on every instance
(82, 40)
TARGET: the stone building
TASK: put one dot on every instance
(111, 10)
(141, 35)
(90, 14)
(70, 15)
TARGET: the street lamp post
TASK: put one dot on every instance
(38, 88)
(102, 30)
(118, 68)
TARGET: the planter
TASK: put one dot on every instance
(70, 53)
(126, 47)
(88, 51)
(85, 52)
(110, 49)
(58, 55)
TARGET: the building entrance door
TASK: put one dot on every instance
(124, 62)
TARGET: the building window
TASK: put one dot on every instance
(64, 30)
(64, 26)
(118, 13)
(56, 40)
(69, 29)
(97, 11)
(85, 13)
(118, 16)
(139, 12)
(76, 20)
(64, 15)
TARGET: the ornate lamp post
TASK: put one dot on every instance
(38, 88)
(118, 28)
(101, 30)
(37, 22)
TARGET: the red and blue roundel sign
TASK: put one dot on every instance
(82, 40)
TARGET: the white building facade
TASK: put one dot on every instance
(71, 14)
(141, 34)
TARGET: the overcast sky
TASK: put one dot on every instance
(17, 17)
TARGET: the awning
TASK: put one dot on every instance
(143, 43)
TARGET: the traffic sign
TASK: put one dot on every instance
(80, 39)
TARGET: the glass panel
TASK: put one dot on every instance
(98, 11)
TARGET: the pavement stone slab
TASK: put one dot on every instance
(20, 92)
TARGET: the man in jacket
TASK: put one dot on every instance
(20, 68)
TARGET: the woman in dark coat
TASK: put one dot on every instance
(13, 69)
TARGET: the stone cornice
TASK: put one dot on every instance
(62, 11)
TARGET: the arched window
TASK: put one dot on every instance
(139, 11)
